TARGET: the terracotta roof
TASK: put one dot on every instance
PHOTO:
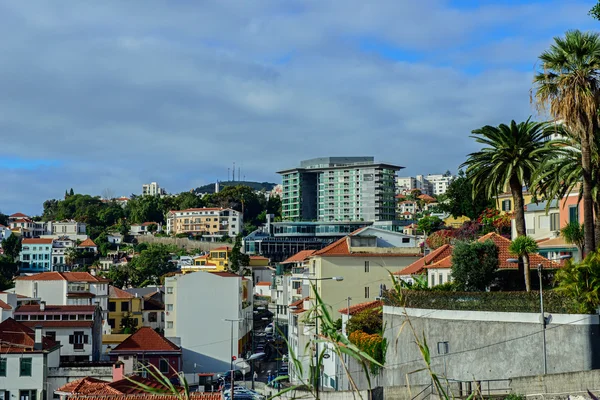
(361, 307)
(443, 263)
(37, 241)
(18, 338)
(433, 257)
(22, 220)
(258, 258)
(427, 198)
(222, 248)
(224, 274)
(63, 276)
(146, 339)
(556, 242)
(298, 303)
(18, 215)
(503, 253)
(59, 324)
(200, 209)
(201, 257)
(150, 223)
(88, 243)
(82, 385)
(5, 306)
(340, 248)
(81, 294)
(124, 388)
(53, 309)
(299, 257)
(193, 396)
(116, 293)
(263, 284)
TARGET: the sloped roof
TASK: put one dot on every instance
(223, 274)
(82, 386)
(37, 241)
(265, 283)
(18, 215)
(5, 306)
(193, 396)
(146, 339)
(433, 257)
(341, 248)
(503, 253)
(18, 338)
(427, 198)
(63, 276)
(116, 293)
(443, 263)
(93, 388)
(220, 248)
(88, 243)
(556, 242)
(299, 256)
(361, 307)
(55, 309)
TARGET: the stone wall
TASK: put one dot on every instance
(486, 345)
(182, 242)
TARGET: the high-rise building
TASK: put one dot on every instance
(440, 182)
(339, 189)
(152, 189)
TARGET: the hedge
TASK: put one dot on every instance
(554, 302)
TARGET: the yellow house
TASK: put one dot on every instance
(455, 222)
(122, 304)
(258, 261)
(504, 201)
(220, 257)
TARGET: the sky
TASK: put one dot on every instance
(113, 94)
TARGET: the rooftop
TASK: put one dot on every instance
(63, 276)
(299, 257)
(52, 309)
(18, 338)
(361, 307)
(37, 241)
(146, 339)
(116, 293)
(88, 243)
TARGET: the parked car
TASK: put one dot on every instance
(226, 376)
(269, 328)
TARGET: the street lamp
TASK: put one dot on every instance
(317, 375)
(251, 358)
(543, 319)
(232, 351)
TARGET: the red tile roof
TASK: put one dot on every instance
(193, 396)
(53, 309)
(263, 283)
(227, 248)
(18, 338)
(124, 388)
(150, 223)
(223, 274)
(433, 257)
(63, 276)
(82, 385)
(503, 253)
(427, 198)
(341, 248)
(59, 324)
(18, 215)
(116, 293)
(258, 258)
(361, 307)
(298, 303)
(146, 339)
(37, 241)
(5, 306)
(443, 263)
(88, 243)
(22, 220)
(299, 257)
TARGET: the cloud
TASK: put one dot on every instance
(121, 94)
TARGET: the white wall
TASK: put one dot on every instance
(52, 292)
(67, 349)
(13, 382)
(435, 274)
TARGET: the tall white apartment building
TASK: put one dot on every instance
(440, 183)
(152, 189)
(432, 184)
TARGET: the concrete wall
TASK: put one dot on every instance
(486, 345)
(13, 382)
(557, 386)
(60, 376)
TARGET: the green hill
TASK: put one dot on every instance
(210, 188)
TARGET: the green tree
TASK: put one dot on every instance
(8, 269)
(120, 276)
(71, 192)
(568, 86)
(459, 199)
(522, 246)
(474, 265)
(129, 324)
(150, 265)
(511, 158)
(430, 224)
(237, 259)
(595, 11)
(72, 255)
(369, 321)
(3, 219)
(12, 247)
(573, 233)
(145, 209)
(581, 281)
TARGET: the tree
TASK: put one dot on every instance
(474, 265)
(129, 324)
(595, 11)
(522, 246)
(581, 282)
(150, 265)
(573, 233)
(8, 269)
(237, 259)
(460, 200)
(3, 219)
(71, 192)
(568, 86)
(119, 275)
(12, 247)
(430, 224)
(368, 321)
(72, 255)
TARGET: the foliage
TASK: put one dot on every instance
(152, 263)
(460, 199)
(474, 265)
(595, 11)
(129, 324)
(581, 282)
(528, 302)
(469, 230)
(440, 238)
(430, 224)
(372, 344)
(142, 209)
(3, 219)
(12, 247)
(120, 275)
(237, 259)
(8, 269)
(492, 220)
(573, 234)
(419, 282)
(367, 321)
(522, 246)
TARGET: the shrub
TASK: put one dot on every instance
(474, 265)
(368, 321)
(372, 344)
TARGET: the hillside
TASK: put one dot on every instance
(210, 188)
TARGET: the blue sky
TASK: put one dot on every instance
(113, 94)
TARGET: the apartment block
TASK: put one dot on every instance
(339, 189)
(210, 223)
(153, 189)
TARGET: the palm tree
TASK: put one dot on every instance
(574, 233)
(511, 158)
(568, 85)
(522, 246)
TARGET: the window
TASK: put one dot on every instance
(405, 240)
(366, 292)
(169, 307)
(441, 278)
(573, 214)
(169, 289)
(367, 267)
(555, 222)
(28, 394)
(506, 205)
(163, 366)
(78, 340)
(25, 366)
(2, 366)
(124, 306)
(51, 335)
(152, 317)
(111, 322)
(170, 324)
(432, 280)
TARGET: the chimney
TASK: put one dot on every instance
(38, 338)
(42, 306)
(118, 371)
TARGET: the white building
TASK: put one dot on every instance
(26, 357)
(145, 228)
(5, 232)
(440, 183)
(65, 288)
(197, 306)
(540, 224)
(77, 328)
(405, 185)
(152, 189)
(27, 228)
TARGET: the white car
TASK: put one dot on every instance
(269, 328)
